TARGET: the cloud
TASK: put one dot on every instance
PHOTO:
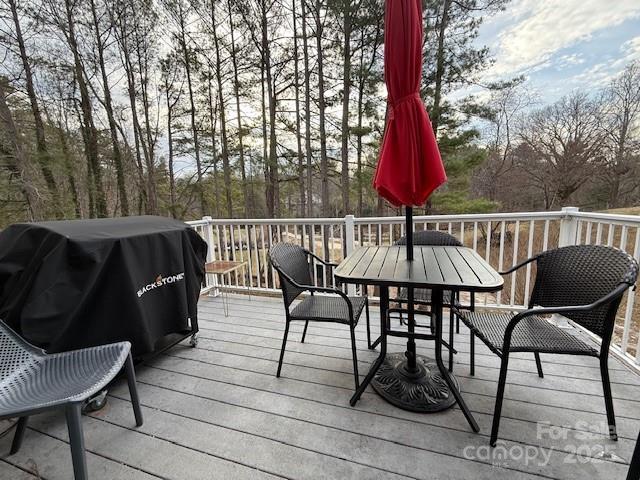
(602, 73)
(540, 28)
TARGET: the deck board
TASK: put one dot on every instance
(218, 411)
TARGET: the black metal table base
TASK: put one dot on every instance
(424, 390)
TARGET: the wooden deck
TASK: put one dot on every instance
(218, 412)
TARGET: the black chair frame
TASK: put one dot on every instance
(611, 301)
(351, 321)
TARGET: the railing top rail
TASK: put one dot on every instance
(608, 217)
(467, 217)
(269, 221)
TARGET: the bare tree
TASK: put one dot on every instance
(568, 142)
(622, 127)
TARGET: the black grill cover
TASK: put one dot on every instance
(73, 284)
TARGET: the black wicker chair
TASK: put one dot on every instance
(32, 381)
(293, 267)
(585, 283)
(422, 296)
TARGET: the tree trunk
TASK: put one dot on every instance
(172, 177)
(194, 127)
(91, 134)
(301, 179)
(139, 142)
(324, 163)
(223, 121)
(307, 110)
(117, 155)
(265, 143)
(44, 156)
(19, 167)
(248, 204)
(437, 94)
(149, 151)
(346, 89)
(361, 84)
(273, 200)
(214, 153)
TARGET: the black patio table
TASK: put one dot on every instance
(409, 381)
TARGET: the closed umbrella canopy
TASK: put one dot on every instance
(410, 167)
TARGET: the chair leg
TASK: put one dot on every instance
(76, 440)
(284, 343)
(472, 353)
(304, 332)
(366, 307)
(539, 365)
(133, 390)
(18, 436)
(499, 396)
(355, 357)
(451, 315)
(608, 398)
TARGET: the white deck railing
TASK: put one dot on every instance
(503, 239)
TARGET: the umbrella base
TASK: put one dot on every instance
(422, 391)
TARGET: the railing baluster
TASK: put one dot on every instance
(612, 229)
(487, 253)
(545, 236)
(241, 248)
(599, 234)
(516, 242)
(587, 238)
(579, 233)
(271, 269)
(475, 235)
(501, 255)
(527, 282)
(628, 313)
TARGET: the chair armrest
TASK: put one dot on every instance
(313, 288)
(518, 266)
(619, 290)
(324, 262)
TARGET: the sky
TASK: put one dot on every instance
(561, 45)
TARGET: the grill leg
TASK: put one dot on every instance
(355, 357)
(539, 365)
(19, 435)
(451, 316)
(76, 440)
(499, 396)
(608, 399)
(472, 353)
(304, 332)
(133, 390)
(284, 343)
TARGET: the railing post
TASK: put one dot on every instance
(568, 227)
(208, 237)
(349, 243)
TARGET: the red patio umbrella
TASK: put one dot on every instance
(410, 167)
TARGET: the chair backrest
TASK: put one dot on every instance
(15, 353)
(293, 261)
(431, 237)
(580, 275)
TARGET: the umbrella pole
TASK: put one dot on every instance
(409, 232)
(411, 322)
